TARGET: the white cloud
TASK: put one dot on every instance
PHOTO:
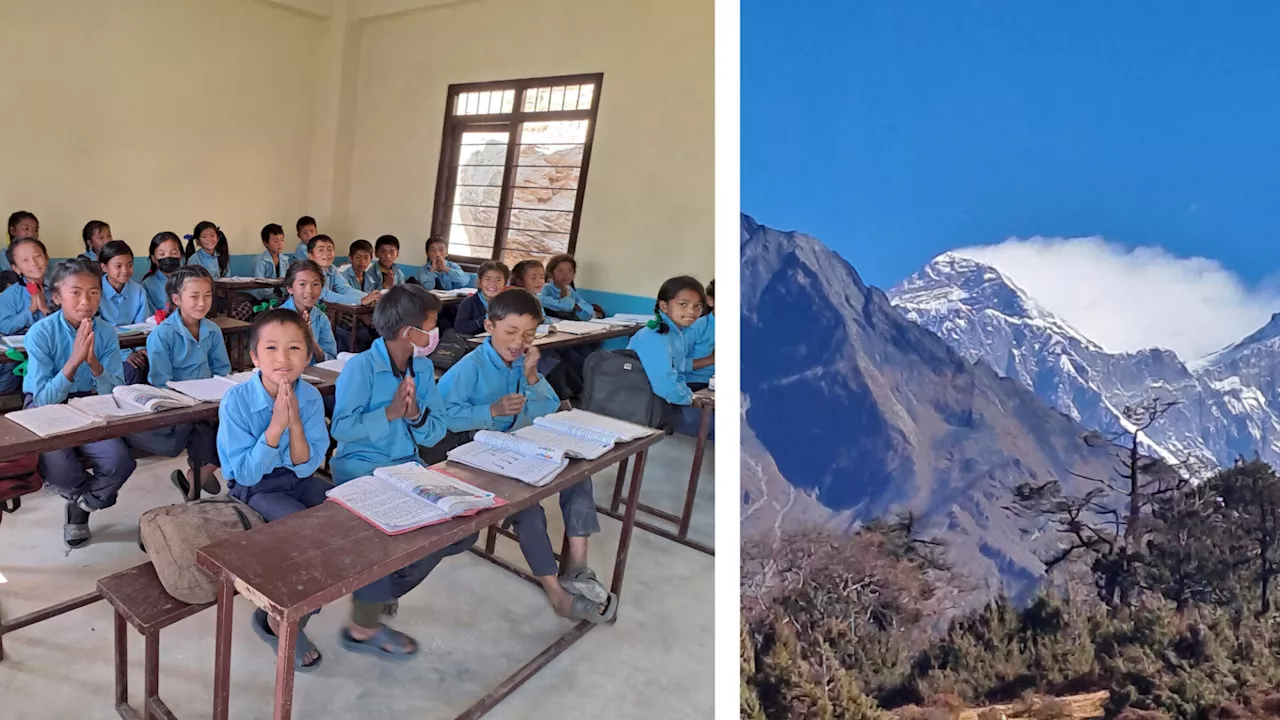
(1129, 299)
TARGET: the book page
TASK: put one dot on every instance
(614, 321)
(577, 327)
(17, 342)
(48, 420)
(384, 505)
(135, 329)
(520, 445)
(152, 398)
(449, 494)
(637, 319)
(584, 447)
(205, 390)
(106, 407)
(619, 429)
(532, 470)
(337, 363)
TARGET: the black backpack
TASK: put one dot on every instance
(616, 385)
(449, 350)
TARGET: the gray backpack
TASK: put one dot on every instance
(616, 385)
(172, 534)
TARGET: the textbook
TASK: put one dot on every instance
(49, 420)
(618, 321)
(15, 342)
(578, 327)
(583, 443)
(79, 413)
(141, 328)
(581, 422)
(210, 389)
(633, 318)
(337, 363)
(406, 497)
(511, 456)
(457, 293)
(152, 399)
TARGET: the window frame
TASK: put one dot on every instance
(455, 125)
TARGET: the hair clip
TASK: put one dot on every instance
(17, 356)
(188, 236)
(161, 314)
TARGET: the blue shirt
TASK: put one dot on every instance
(397, 274)
(574, 303)
(666, 361)
(154, 285)
(370, 282)
(175, 355)
(322, 329)
(90, 255)
(301, 252)
(452, 278)
(15, 308)
(477, 381)
(49, 344)
(336, 289)
(366, 438)
(128, 306)
(264, 267)
(701, 337)
(206, 261)
(243, 418)
(4, 259)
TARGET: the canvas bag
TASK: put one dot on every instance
(616, 385)
(18, 477)
(171, 535)
(449, 350)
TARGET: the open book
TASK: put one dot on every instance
(210, 389)
(580, 422)
(573, 441)
(578, 327)
(83, 412)
(406, 497)
(618, 321)
(142, 328)
(152, 399)
(632, 317)
(337, 363)
(511, 456)
(17, 342)
(456, 293)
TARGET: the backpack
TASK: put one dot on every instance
(616, 385)
(18, 477)
(449, 350)
(171, 535)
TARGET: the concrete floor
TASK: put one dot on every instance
(476, 624)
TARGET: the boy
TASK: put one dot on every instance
(497, 387)
(358, 276)
(95, 234)
(491, 278)
(320, 250)
(306, 228)
(272, 264)
(387, 248)
(440, 273)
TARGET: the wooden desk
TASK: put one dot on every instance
(304, 561)
(558, 340)
(705, 400)
(248, 284)
(353, 315)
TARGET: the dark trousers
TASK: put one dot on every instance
(135, 375)
(200, 440)
(109, 462)
(577, 504)
(9, 383)
(364, 338)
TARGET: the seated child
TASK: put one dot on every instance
(22, 225)
(306, 228)
(563, 376)
(272, 263)
(124, 302)
(336, 289)
(663, 346)
(72, 353)
(95, 234)
(497, 387)
(304, 283)
(165, 254)
(440, 273)
(702, 342)
(387, 249)
(492, 279)
(187, 346)
(561, 299)
(359, 276)
(24, 302)
(207, 247)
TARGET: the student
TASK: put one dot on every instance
(497, 387)
(440, 273)
(359, 276)
(207, 247)
(565, 377)
(24, 302)
(663, 345)
(320, 250)
(22, 225)
(272, 264)
(72, 353)
(186, 345)
(95, 234)
(560, 295)
(165, 254)
(702, 342)
(303, 283)
(492, 278)
(387, 249)
(124, 302)
(306, 228)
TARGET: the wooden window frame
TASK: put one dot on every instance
(455, 125)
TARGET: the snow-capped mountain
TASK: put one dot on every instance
(1228, 402)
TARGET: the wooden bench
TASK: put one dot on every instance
(141, 601)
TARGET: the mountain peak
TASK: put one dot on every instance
(1264, 334)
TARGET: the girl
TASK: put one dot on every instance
(25, 301)
(187, 346)
(124, 302)
(22, 225)
(358, 276)
(702, 339)
(207, 247)
(565, 378)
(663, 346)
(305, 282)
(530, 275)
(72, 353)
(95, 235)
(561, 296)
(491, 278)
(166, 257)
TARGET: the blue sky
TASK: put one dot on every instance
(894, 130)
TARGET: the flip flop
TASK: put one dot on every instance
(179, 480)
(386, 644)
(210, 485)
(584, 609)
(582, 581)
(75, 534)
(302, 647)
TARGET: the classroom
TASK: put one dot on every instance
(498, 159)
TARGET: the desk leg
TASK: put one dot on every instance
(288, 643)
(628, 523)
(617, 486)
(222, 648)
(704, 429)
(122, 662)
(151, 677)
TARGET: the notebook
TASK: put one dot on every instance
(634, 318)
(511, 456)
(581, 421)
(406, 497)
(210, 389)
(14, 341)
(141, 328)
(458, 293)
(48, 420)
(337, 363)
(578, 327)
(583, 443)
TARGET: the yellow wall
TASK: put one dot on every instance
(648, 210)
(156, 114)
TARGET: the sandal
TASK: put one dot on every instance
(179, 480)
(301, 648)
(75, 528)
(584, 609)
(582, 581)
(210, 485)
(387, 644)
(391, 609)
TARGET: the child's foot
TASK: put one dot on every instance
(382, 642)
(582, 581)
(305, 656)
(75, 528)
(209, 482)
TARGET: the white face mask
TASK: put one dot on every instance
(433, 339)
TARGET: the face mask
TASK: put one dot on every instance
(433, 339)
(168, 265)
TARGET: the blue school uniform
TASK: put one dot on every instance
(471, 314)
(366, 439)
(397, 275)
(322, 329)
(4, 259)
(154, 285)
(367, 284)
(16, 314)
(336, 289)
(701, 337)
(666, 361)
(206, 261)
(265, 267)
(452, 278)
(481, 377)
(301, 253)
(48, 345)
(175, 355)
(573, 303)
(127, 306)
(243, 418)
(89, 255)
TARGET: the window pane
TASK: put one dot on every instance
(511, 257)
(586, 96)
(560, 178)
(552, 133)
(545, 244)
(481, 196)
(481, 155)
(571, 97)
(473, 215)
(544, 199)
(557, 98)
(470, 241)
(547, 155)
(544, 100)
(541, 220)
(508, 100)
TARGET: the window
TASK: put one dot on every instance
(513, 166)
